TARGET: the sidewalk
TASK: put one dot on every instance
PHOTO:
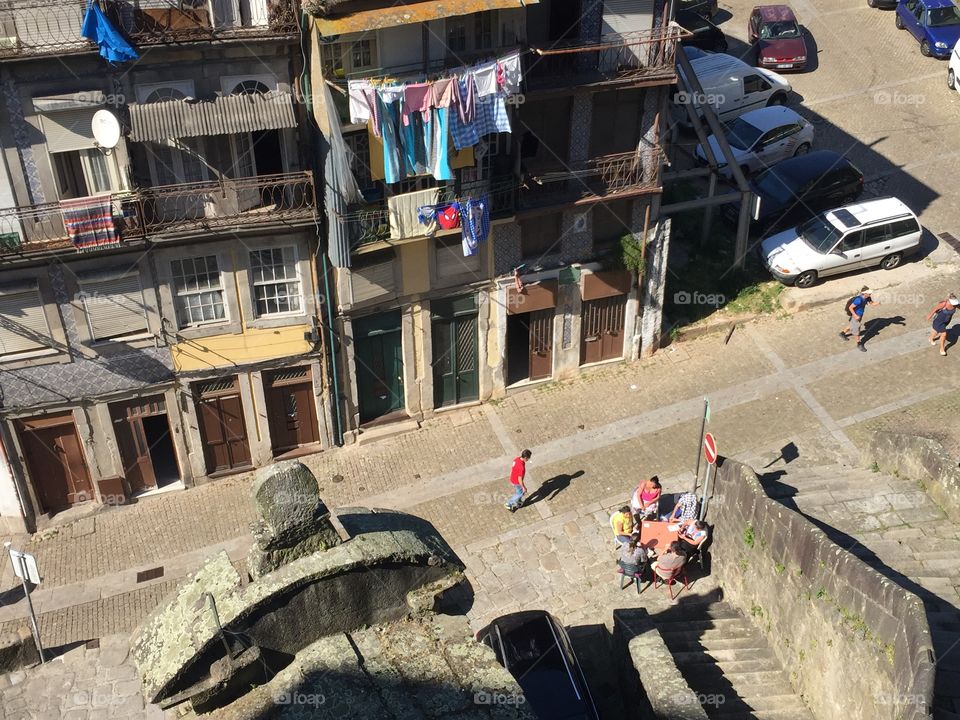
(778, 378)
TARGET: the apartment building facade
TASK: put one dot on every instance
(159, 299)
(423, 322)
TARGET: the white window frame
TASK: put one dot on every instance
(228, 83)
(184, 86)
(295, 256)
(92, 284)
(176, 295)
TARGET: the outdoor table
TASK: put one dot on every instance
(658, 535)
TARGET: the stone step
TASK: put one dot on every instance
(721, 627)
(748, 683)
(721, 657)
(737, 706)
(744, 666)
(680, 643)
(800, 713)
(697, 612)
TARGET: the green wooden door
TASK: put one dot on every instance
(455, 363)
(379, 363)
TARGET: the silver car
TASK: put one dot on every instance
(760, 138)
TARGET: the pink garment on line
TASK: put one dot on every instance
(417, 96)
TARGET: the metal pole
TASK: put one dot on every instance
(21, 562)
(706, 491)
(703, 427)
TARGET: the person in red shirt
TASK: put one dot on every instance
(517, 474)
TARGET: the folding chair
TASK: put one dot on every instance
(637, 578)
(669, 580)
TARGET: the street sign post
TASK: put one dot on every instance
(25, 567)
(710, 455)
(703, 426)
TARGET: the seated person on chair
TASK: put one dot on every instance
(685, 509)
(646, 499)
(692, 536)
(671, 562)
(632, 558)
(622, 524)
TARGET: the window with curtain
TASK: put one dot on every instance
(276, 282)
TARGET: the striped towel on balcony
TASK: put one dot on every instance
(89, 222)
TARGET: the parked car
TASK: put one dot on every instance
(934, 23)
(795, 189)
(760, 138)
(874, 232)
(706, 35)
(731, 87)
(777, 38)
(705, 8)
(953, 69)
(535, 649)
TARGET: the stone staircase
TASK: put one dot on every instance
(728, 663)
(893, 526)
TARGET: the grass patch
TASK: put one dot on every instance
(763, 297)
(749, 536)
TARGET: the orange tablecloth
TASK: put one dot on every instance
(658, 535)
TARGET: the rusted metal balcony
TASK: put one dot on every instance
(172, 210)
(627, 173)
(644, 57)
(48, 27)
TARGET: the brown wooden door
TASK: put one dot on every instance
(135, 451)
(541, 344)
(601, 329)
(291, 410)
(55, 461)
(223, 428)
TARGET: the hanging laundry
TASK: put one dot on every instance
(510, 72)
(113, 47)
(376, 152)
(427, 214)
(492, 116)
(356, 94)
(464, 133)
(404, 214)
(389, 131)
(485, 76)
(442, 92)
(460, 158)
(416, 97)
(465, 98)
(448, 216)
(474, 224)
(440, 148)
(412, 143)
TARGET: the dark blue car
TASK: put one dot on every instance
(934, 23)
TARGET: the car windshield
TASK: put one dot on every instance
(943, 16)
(741, 134)
(775, 187)
(819, 234)
(777, 30)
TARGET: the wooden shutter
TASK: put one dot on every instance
(68, 130)
(114, 307)
(23, 324)
(373, 281)
(451, 262)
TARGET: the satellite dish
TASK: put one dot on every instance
(106, 129)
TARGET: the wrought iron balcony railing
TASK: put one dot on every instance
(48, 27)
(647, 55)
(171, 210)
(593, 179)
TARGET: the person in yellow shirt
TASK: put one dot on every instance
(622, 524)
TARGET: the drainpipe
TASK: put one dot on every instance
(332, 353)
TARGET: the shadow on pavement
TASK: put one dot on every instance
(551, 488)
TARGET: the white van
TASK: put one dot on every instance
(868, 233)
(730, 87)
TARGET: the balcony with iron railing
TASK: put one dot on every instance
(643, 57)
(370, 223)
(52, 27)
(605, 177)
(168, 211)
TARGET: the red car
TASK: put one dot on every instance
(777, 38)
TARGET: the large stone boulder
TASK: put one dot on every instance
(294, 521)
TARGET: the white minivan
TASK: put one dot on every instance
(953, 68)
(868, 233)
(730, 87)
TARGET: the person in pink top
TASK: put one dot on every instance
(646, 498)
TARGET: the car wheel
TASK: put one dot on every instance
(898, 22)
(806, 279)
(925, 49)
(872, 3)
(891, 261)
(778, 98)
(951, 80)
(803, 149)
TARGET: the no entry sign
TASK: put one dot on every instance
(710, 448)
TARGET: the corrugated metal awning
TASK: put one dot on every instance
(221, 116)
(406, 13)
